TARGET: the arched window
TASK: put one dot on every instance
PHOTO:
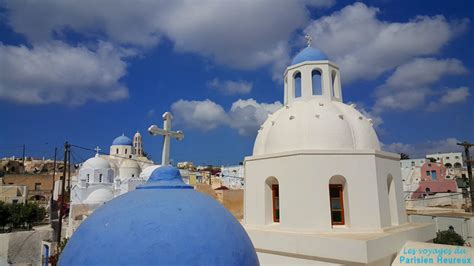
(457, 165)
(100, 178)
(125, 151)
(297, 78)
(338, 200)
(317, 82)
(116, 152)
(273, 199)
(448, 165)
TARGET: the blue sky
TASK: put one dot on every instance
(88, 71)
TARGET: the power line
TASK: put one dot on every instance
(103, 153)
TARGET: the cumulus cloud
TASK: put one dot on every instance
(420, 150)
(245, 115)
(365, 46)
(450, 96)
(230, 87)
(203, 115)
(242, 34)
(59, 73)
(410, 84)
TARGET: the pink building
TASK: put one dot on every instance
(433, 180)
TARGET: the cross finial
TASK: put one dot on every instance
(309, 39)
(167, 134)
(97, 149)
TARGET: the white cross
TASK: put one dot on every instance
(167, 134)
(309, 39)
(97, 149)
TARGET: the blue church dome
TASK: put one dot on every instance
(163, 222)
(122, 140)
(309, 54)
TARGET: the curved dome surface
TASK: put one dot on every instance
(315, 124)
(100, 196)
(96, 163)
(164, 222)
(129, 164)
(146, 173)
(122, 140)
(308, 54)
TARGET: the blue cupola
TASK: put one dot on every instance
(309, 54)
(122, 140)
(163, 222)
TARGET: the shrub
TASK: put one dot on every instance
(449, 237)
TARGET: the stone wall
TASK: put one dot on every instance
(231, 199)
(24, 247)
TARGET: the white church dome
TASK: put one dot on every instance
(99, 196)
(96, 163)
(315, 123)
(129, 164)
(146, 173)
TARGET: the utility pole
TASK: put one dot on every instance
(69, 172)
(23, 155)
(63, 185)
(51, 209)
(466, 146)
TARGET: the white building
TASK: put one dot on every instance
(450, 159)
(232, 176)
(318, 188)
(103, 177)
(411, 175)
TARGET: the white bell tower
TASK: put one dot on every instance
(311, 74)
(138, 144)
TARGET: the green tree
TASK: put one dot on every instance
(16, 215)
(32, 214)
(4, 214)
(404, 156)
(21, 215)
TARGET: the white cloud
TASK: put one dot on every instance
(410, 84)
(455, 95)
(420, 150)
(241, 34)
(365, 46)
(245, 115)
(58, 73)
(117, 21)
(203, 115)
(230, 87)
(399, 147)
(422, 72)
(450, 96)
